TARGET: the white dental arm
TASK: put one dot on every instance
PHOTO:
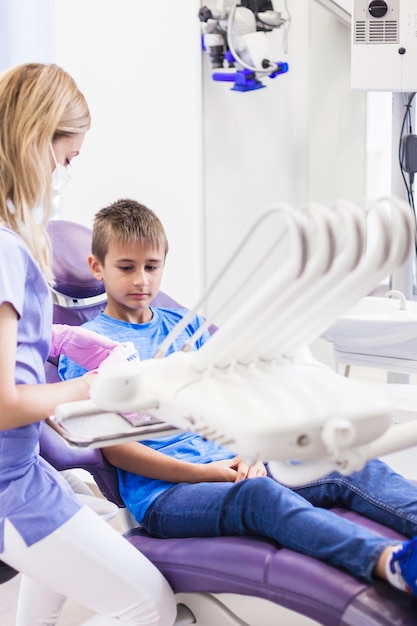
(294, 317)
(330, 298)
(270, 411)
(265, 404)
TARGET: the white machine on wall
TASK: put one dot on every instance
(383, 55)
(235, 37)
(383, 58)
(384, 45)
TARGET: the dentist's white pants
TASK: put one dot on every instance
(87, 560)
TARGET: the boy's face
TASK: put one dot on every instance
(132, 275)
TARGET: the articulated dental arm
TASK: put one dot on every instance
(282, 410)
(254, 385)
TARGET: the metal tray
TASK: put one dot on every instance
(83, 425)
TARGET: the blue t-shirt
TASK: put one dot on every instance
(138, 492)
(33, 496)
(146, 337)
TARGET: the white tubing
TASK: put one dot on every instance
(374, 266)
(295, 475)
(296, 230)
(299, 311)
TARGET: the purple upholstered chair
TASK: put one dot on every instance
(200, 567)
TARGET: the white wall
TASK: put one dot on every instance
(207, 159)
(25, 32)
(138, 64)
(337, 114)
(301, 138)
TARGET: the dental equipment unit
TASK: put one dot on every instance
(254, 385)
(377, 332)
(203, 572)
(236, 36)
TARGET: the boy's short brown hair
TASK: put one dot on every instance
(127, 222)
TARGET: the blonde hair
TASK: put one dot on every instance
(128, 222)
(38, 103)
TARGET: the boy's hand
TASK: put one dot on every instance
(218, 471)
(230, 470)
(245, 471)
(81, 345)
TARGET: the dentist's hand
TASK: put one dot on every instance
(124, 352)
(81, 345)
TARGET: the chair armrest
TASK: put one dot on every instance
(54, 450)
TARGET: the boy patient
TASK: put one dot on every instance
(185, 486)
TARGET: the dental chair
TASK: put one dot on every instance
(201, 570)
(198, 568)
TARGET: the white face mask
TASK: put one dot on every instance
(61, 176)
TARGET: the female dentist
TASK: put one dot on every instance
(62, 548)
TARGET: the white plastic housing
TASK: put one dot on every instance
(384, 48)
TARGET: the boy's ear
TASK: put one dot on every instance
(95, 266)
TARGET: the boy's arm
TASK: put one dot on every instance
(140, 459)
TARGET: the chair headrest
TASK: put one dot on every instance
(71, 245)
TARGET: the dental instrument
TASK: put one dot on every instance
(235, 35)
(284, 407)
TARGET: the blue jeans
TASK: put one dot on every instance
(298, 519)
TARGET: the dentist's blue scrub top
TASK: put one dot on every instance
(33, 496)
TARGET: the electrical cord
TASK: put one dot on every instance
(408, 186)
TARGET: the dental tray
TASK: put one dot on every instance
(84, 425)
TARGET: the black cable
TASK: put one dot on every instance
(409, 187)
(400, 159)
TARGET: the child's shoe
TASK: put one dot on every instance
(403, 566)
